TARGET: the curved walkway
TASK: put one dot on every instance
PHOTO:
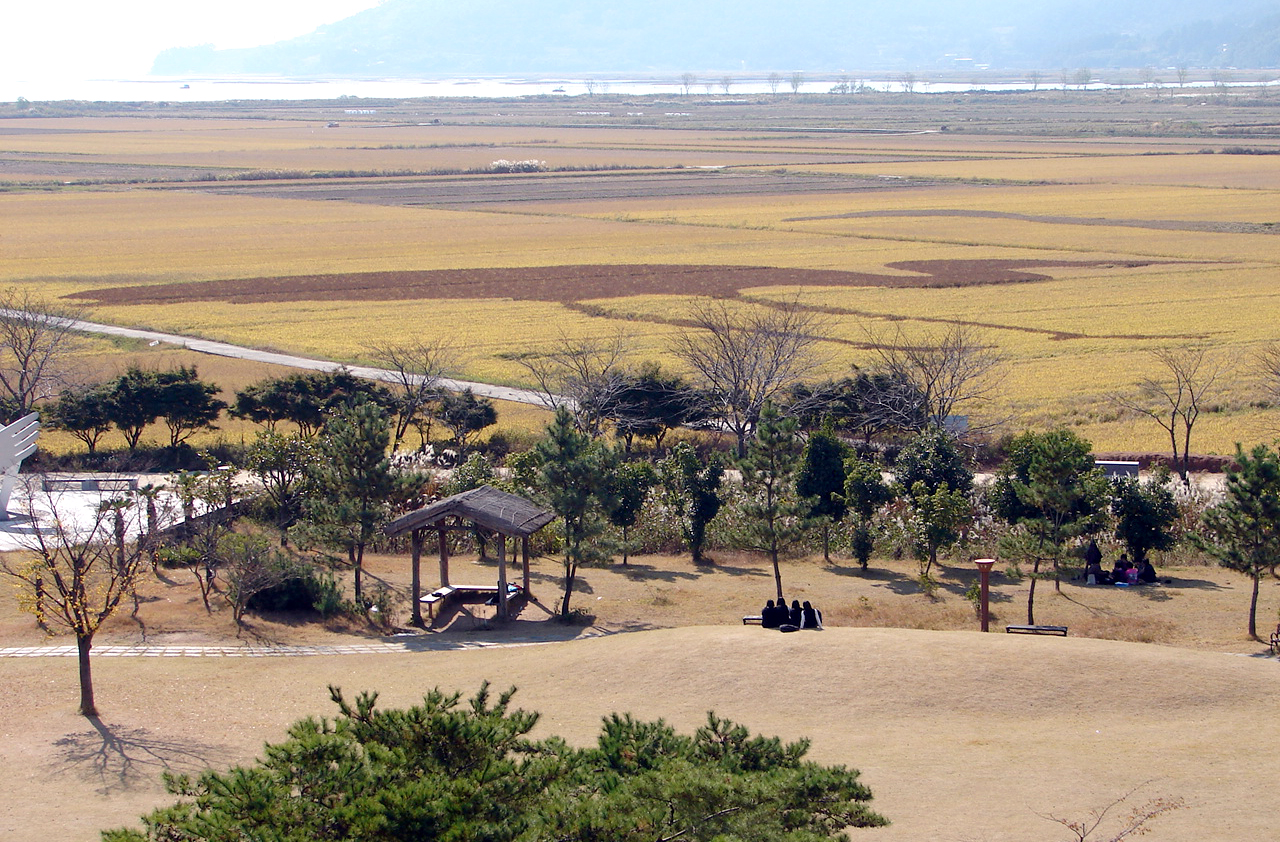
(224, 349)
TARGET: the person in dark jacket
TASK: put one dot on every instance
(769, 616)
(810, 617)
(796, 616)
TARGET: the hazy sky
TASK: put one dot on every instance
(77, 39)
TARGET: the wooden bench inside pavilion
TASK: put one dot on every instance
(506, 515)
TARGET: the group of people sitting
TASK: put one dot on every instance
(1124, 572)
(789, 619)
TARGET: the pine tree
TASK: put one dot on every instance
(933, 458)
(865, 491)
(1244, 530)
(1145, 514)
(629, 487)
(822, 476)
(1049, 487)
(775, 517)
(353, 488)
(574, 477)
(692, 489)
(932, 477)
(470, 771)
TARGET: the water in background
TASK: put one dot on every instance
(172, 89)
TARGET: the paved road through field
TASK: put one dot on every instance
(223, 349)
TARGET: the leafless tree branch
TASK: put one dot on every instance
(1133, 824)
(946, 371)
(36, 336)
(585, 375)
(1175, 399)
(746, 357)
(417, 368)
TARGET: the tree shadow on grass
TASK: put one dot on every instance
(845, 570)
(650, 573)
(117, 758)
(899, 583)
(1196, 584)
(731, 570)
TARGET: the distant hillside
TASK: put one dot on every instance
(492, 37)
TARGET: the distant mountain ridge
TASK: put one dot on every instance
(505, 37)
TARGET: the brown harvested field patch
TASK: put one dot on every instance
(573, 283)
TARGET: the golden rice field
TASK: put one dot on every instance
(1153, 246)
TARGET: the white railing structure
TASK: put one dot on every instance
(17, 442)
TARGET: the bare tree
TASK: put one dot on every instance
(744, 358)
(726, 82)
(252, 566)
(939, 373)
(584, 375)
(77, 571)
(1175, 399)
(194, 543)
(1268, 364)
(774, 80)
(797, 79)
(417, 368)
(1035, 77)
(687, 81)
(1131, 823)
(36, 336)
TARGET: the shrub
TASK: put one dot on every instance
(305, 590)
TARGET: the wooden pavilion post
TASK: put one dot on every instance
(416, 545)
(444, 554)
(524, 558)
(502, 576)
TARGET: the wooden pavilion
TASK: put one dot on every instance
(507, 515)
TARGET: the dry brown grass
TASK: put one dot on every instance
(961, 736)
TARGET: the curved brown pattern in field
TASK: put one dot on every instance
(576, 283)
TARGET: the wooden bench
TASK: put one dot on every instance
(513, 592)
(438, 595)
(753, 620)
(1060, 631)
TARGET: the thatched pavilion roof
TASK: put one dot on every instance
(486, 506)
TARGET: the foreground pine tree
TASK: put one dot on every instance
(468, 771)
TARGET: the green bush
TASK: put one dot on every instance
(304, 591)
